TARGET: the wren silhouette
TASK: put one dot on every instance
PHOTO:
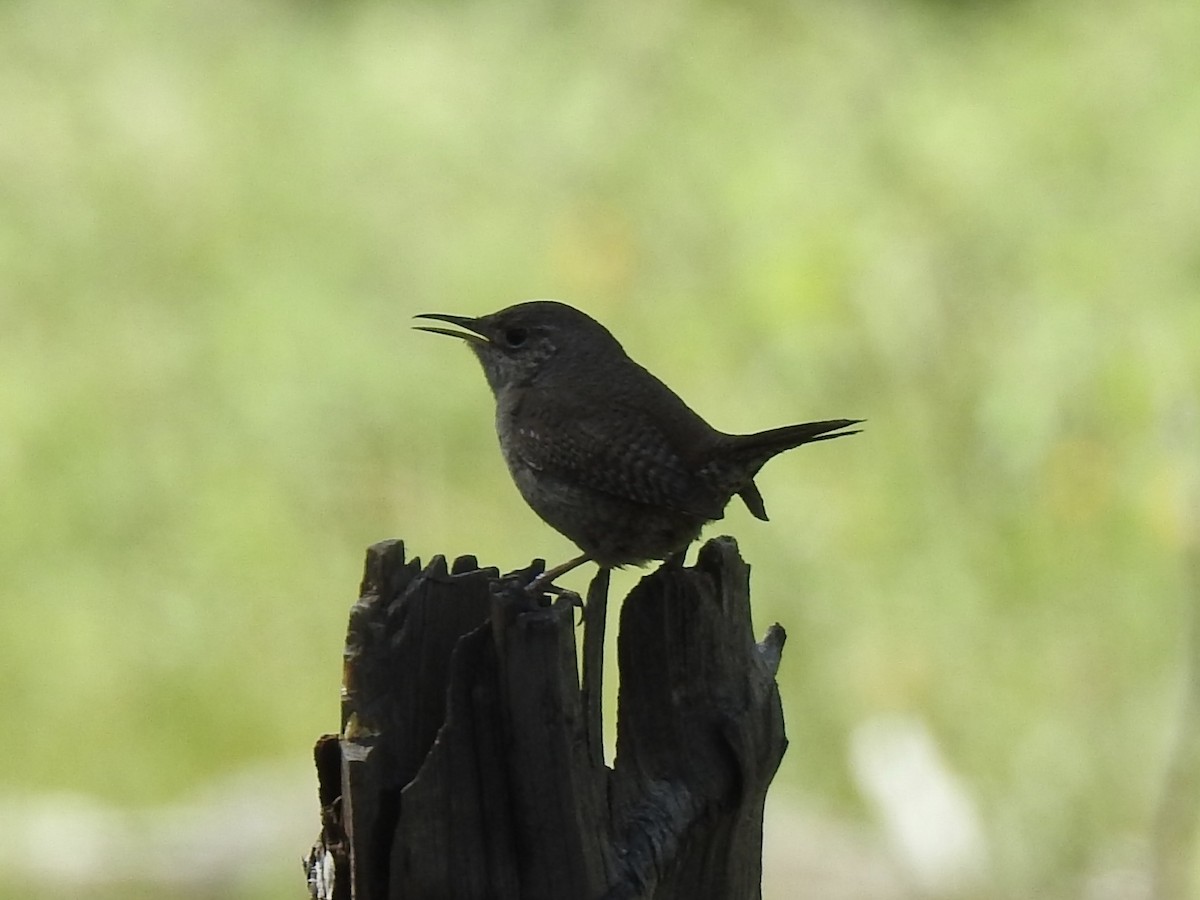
(602, 450)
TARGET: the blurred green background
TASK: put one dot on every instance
(975, 225)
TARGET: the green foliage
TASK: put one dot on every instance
(975, 227)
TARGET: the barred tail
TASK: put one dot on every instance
(752, 451)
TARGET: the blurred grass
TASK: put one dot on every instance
(977, 227)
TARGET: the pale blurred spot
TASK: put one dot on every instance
(1121, 873)
(928, 817)
(248, 828)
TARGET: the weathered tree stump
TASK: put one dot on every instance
(470, 762)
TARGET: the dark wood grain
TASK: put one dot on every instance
(470, 764)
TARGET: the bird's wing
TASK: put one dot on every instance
(620, 451)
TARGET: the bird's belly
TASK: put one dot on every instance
(613, 531)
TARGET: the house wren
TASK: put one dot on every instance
(602, 450)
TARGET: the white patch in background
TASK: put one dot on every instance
(927, 815)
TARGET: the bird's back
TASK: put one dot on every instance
(624, 433)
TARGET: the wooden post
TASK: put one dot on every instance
(470, 763)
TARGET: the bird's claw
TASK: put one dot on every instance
(538, 586)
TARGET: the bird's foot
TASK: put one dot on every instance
(544, 583)
(539, 586)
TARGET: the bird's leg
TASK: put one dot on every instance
(592, 686)
(544, 582)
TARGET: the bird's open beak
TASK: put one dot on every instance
(473, 333)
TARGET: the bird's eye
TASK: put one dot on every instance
(515, 337)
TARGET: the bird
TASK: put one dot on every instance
(602, 450)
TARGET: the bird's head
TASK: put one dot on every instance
(519, 344)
